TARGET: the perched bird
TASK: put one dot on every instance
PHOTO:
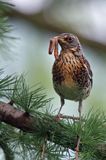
(72, 75)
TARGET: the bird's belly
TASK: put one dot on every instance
(74, 93)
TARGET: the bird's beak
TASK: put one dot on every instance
(61, 40)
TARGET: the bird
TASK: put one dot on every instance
(71, 72)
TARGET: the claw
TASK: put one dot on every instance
(58, 117)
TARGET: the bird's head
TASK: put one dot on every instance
(68, 41)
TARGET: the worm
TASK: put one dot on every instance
(53, 47)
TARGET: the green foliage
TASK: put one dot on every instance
(9, 155)
(5, 82)
(5, 27)
(25, 98)
(62, 135)
(93, 134)
(4, 6)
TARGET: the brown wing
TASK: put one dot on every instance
(82, 72)
(89, 70)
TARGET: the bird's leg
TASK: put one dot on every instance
(78, 139)
(77, 148)
(80, 108)
(62, 103)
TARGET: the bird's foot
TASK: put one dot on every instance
(58, 117)
(62, 116)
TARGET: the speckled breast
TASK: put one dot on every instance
(71, 78)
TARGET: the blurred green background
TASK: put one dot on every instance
(34, 22)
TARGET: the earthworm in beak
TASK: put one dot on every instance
(53, 47)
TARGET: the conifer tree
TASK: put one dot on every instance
(28, 128)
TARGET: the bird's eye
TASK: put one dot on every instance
(69, 39)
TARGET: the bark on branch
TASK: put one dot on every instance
(28, 123)
(53, 130)
(16, 118)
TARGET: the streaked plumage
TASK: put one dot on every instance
(72, 75)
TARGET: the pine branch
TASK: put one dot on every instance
(56, 132)
(4, 4)
(9, 155)
(5, 28)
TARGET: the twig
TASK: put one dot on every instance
(43, 152)
(43, 149)
(77, 149)
(68, 117)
